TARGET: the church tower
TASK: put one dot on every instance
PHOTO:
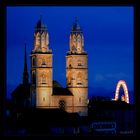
(25, 72)
(77, 69)
(41, 68)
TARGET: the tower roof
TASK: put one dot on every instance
(40, 27)
(76, 26)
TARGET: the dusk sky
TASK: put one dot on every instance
(108, 40)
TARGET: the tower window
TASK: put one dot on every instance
(70, 66)
(43, 98)
(69, 83)
(79, 63)
(43, 78)
(43, 62)
(34, 61)
(79, 79)
(79, 83)
(72, 78)
(80, 99)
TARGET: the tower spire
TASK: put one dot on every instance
(76, 26)
(40, 17)
(76, 19)
(25, 72)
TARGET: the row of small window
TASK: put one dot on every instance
(77, 83)
(34, 62)
(34, 79)
(79, 64)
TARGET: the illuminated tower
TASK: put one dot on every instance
(41, 68)
(77, 69)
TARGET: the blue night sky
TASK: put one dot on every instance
(108, 40)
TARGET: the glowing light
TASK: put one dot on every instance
(125, 97)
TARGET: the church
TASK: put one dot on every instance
(45, 93)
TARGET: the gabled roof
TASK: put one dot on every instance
(40, 27)
(22, 91)
(59, 90)
(56, 84)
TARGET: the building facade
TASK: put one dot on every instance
(41, 68)
(77, 69)
(74, 97)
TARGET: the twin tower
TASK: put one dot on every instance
(73, 98)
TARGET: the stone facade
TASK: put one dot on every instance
(42, 94)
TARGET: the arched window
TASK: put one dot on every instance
(69, 79)
(79, 79)
(43, 62)
(33, 78)
(43, 78)
(80, 100)
(34, 61)
(79, 62)
(62, 104)
(43, 98)
(70, 64)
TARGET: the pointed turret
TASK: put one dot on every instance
(25, 72)
(77, 70)
(41, 38)
(76, 26)
(40, 27)
(76, 39)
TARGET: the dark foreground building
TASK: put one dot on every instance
(112, 117)
(104, 118)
